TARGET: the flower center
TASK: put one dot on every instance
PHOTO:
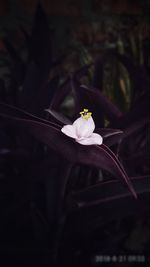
(85, 114)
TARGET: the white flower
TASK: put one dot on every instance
(82, 130)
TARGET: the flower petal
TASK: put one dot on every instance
(94, 139)
(84, 128)
(70, 131)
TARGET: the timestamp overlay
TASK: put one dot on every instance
(99, 259)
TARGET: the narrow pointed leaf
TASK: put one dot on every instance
(61, 119)
(107, 191)
(40, 44)
(37, 93)
(14, 112)
(65, 88)
(102, 103)
(60, 94)
(45, 95)
(96, 156)
(110, 136)
(106, 202)
(134, 119)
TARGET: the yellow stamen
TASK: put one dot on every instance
(85, 114)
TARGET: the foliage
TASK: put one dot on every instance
(66, 190)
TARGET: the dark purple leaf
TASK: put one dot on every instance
(107, 191)
(21, 114)
(61, 119)
(134, 119)
(60, 95)
(66, 87)
(98, 156)
(110, 136)
(32, 84)
(107, 201)
(37, 89)
(45, 95)
(135, 127)
(101, 103)
(140, 159)
(40, 44)
(37, 93)
(117, 162)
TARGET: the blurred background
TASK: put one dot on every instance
(82, 30)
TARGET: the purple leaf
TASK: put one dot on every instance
(50, 134)
(65, 88)
(92, 95)
(135, 127)
(37, 93)
(138, 159)
(45, 95)
(96, 156)
(32, 84)
(40, 44)
(14, 112)
(107, 191)
(61, 119)
(60, 95)
(110, 136)
(134, 119)
(107, 201)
